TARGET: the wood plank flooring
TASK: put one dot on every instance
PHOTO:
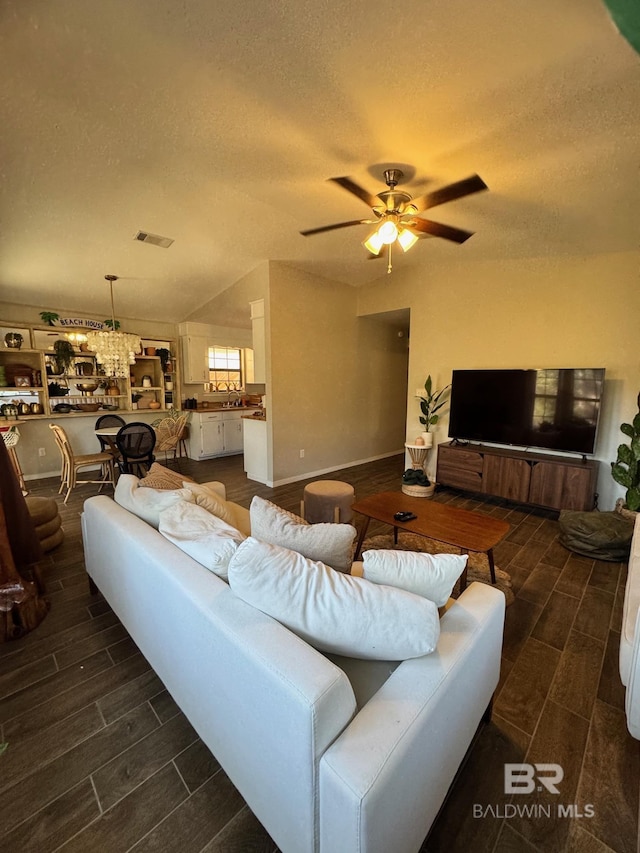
(100, 758)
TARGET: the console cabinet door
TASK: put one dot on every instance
(461, 469)
(506, 477)
(562, 486)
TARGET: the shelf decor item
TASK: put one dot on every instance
(64, 354)
(13, 340)
(165, 356)
(114, 350)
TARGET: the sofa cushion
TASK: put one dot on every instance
(332, 611)
(432, 576)
(332, 544)
(159, 477)
(206, 538)
(147, 503)
(209, 500)
(211, 496)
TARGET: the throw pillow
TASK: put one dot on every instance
(147, 503)
(159, 477)
(432, 576)
(330, 543)
(332, 611)
(210, 501)
(206, 538)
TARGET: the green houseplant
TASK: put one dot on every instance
(431, 404)
(64, 353)
(626, 469)
(165, 357)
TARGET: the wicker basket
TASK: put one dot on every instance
(10, 436)
(629, 514)
(419, 491)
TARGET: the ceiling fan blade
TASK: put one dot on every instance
(451, 192)
(352, 187)
(333, 227)
(437, 229)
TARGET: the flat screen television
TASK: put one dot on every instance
(550, 409)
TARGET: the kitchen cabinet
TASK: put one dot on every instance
(259, 341)
(216, 433)
(232, 433)
(255, 449)
(195, 359)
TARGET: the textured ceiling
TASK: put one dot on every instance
(218, 123)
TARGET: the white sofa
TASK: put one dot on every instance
(327, 764)
(630, 636)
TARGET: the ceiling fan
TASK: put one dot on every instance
(396, 213)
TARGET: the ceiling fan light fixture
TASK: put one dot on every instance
(374, 242)
(388, 231)
(406, 239)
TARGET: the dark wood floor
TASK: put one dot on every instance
(99, 757)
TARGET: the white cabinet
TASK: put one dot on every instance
(206, 435)
(215, 434)
(259, 345)
(255, 449)
(232, 433)
(195, 359)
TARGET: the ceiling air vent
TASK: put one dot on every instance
(154, 239)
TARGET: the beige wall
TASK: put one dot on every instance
(337, 383)
(534, 312)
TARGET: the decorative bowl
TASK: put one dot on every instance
(63, 408)
(88, 407)
(87, 387)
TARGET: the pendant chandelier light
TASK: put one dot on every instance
(115, 351)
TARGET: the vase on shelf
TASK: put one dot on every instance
(13, 340)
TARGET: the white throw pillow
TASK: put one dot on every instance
(330, 543)
(332, 611)
(206, 538)
(209, 500)
(147, 503)
(432, 576)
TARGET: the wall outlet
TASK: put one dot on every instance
(302, 454)
(42, 451)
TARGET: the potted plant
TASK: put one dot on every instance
(165, 357)
(626, 469)
(430, 406)
(64, 354)
(134, 399)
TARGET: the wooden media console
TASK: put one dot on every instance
(556, 482)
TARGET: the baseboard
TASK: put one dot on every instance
(284, 482)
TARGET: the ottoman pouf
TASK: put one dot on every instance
(328, 500)
(46, 517)
(599, 535)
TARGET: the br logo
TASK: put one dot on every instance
(525, 778)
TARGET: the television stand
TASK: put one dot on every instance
(554, 482)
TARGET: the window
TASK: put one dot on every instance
(225, 368)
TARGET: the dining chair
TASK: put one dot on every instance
(108, 421)
(72, 463)
(136, 442)
(169, 434)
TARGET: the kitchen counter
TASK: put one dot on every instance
(256, 416)
(218, 407)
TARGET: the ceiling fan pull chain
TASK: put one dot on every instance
(389, 261)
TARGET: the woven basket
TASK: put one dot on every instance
(11, 436)
(629, 514)
(419, 491)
